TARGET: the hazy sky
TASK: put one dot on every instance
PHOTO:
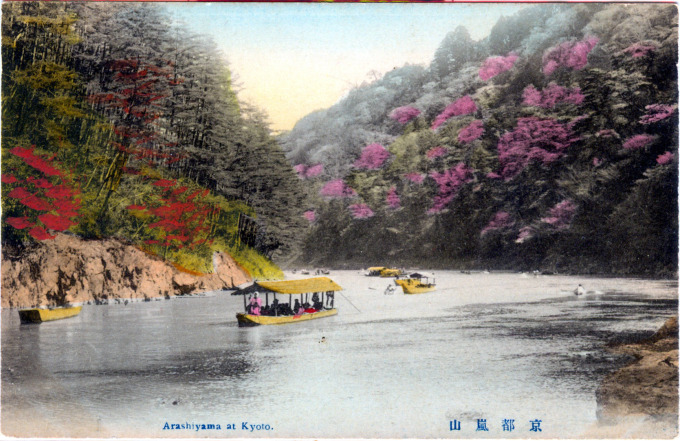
(294, 58)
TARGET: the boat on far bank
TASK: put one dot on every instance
(416, 283)
(391, 272)
(374, 271)
(39, 315)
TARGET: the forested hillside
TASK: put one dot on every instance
(551, 144)
(116, 123)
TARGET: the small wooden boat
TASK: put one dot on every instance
(391, 272)
(256, 320)
(322, 291)
(39, 315)
(416, 284)
(374, 271)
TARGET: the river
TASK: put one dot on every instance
(490, 347)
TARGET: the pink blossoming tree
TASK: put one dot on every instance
(570, 54)
(472, 131)
(636, 50)
(393, 200)
(310, 215)
(607, 133)
(657, 112)
(561, 215)
(361, 211)
(500, 220)
(436, 152)
(551, 96)
(525, 233)
(308, 172)
(337, 189)
(372, 157)
(404, 114)
(495, 65)
(416, 178)
(638, 141)
(462, 106)
(534, 139)
(449, 182)
(666, 158)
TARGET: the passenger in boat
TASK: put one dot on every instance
(255, 304)
(297, 308)
(275, 307)
(330, 298)
(316, 302)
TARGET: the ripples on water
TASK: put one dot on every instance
(491, 346)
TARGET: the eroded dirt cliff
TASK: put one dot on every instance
(71, 270)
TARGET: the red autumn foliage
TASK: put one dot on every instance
(57, 223)
(19, 222)
(40, 182)
(48, 197)
(19, 193)
(39, 233)
(164, 183)
(8, 179)
(36, 203)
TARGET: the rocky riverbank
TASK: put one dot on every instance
(641, 399)
(72, 270)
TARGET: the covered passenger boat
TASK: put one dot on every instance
(416, 283)
(39, 315)
(316, 300)
(374, 271)
(391, 272)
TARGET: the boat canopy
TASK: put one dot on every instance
(301, 286)
(416, 276)
(377, 268)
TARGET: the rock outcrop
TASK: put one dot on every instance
(646, 390)
(72, 270)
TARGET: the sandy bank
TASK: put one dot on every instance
(72, 270)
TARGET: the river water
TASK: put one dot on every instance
(490, 347)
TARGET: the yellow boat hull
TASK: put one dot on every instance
(411, 286)
(38, 315)
(391, 273)
(256, 320)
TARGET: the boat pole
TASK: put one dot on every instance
(348, 301)
(245, 308)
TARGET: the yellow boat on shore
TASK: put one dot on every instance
(322, 291)
(414, 284)
(39, 315)
(391, 272)
(374, 271)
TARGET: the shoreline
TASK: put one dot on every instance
(113, 301)
(641, 398)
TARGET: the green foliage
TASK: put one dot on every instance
(57, 55)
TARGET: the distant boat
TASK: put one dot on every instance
(39, 315)
(304, 271)
(279, 314)
(391, 272)
(416, 284)
(374, 271)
